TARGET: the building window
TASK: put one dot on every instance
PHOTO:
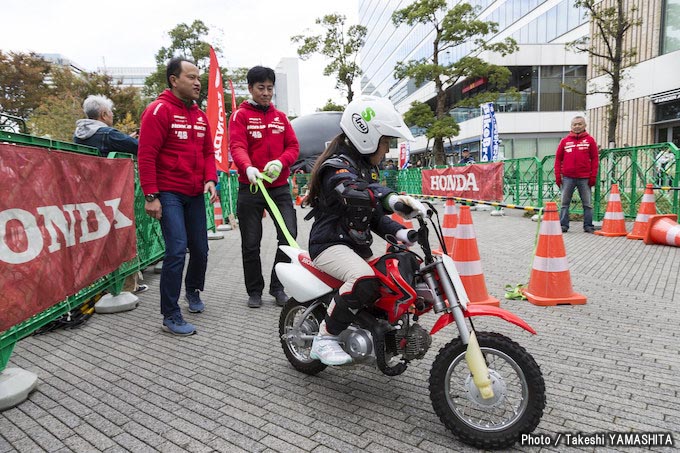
(550, 94)
(575, 77)
(524, 147)
(668, 111)
(671, 27)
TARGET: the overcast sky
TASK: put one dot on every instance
(130, 32)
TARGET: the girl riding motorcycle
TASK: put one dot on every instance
(349, 202)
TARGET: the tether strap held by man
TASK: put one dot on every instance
(274, 209)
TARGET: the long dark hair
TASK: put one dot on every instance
(333, 148)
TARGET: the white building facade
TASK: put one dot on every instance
(287, 91)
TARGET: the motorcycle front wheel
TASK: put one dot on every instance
(292, 327)
(519, 392)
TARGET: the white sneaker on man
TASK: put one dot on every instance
(329, 351)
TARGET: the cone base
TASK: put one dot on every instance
(573, 299)
(488, 301)
(611, 234)
(634, 236)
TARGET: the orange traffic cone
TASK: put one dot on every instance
(449, 225)
(647, 208)
(467, 261)
(663, 229)
(550, 281)
(614, 223)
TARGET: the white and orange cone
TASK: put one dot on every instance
(467, 260)
(449, 224)
(663, 229)
(647, 208)
(550, 281)
(614, 222)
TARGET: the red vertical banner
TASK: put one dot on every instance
(216, 114)
(404, 155)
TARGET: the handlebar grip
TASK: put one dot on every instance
(403, 207)
(412, 235)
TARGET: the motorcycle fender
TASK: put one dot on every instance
(300, 283)
(483, 310)
(450, 267)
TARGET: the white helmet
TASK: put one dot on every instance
(368, 118)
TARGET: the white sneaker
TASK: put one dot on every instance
(328, 351)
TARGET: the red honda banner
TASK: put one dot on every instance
(216, 114)
(478, 182)
(65, 221)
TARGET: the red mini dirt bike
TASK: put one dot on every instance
(487, 389)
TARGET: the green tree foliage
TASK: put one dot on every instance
(331, 107)
(452, 27)
(339, 44)
(22, 78)
(237, 77)
(62, 104)
(611, 22)
(50, 97)
(185, 41)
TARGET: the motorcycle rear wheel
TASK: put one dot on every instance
(297, 352)
(519, 392)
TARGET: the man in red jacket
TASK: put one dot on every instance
(576, 162)
(176, 167)
(262, 140)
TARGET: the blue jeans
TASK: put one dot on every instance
(568, 187)
(249, 209)
(183, 224)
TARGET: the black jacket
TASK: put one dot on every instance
(329, 227)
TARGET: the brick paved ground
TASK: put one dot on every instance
(119, 383)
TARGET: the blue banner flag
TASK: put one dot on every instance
(490, 140)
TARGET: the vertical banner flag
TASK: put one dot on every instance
(490, 141)
(404, 154)
(216, 116)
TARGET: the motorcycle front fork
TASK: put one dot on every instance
(473, 355)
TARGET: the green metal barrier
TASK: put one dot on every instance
(632, 169)
(228, 193)
(29, 140)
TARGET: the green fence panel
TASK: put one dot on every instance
(632, 169)
(29, 140)
(228, 193)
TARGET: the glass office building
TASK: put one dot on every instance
(530, 125)
(533, 124)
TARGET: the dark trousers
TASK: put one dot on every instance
(568, 187)
(183, 224)
(249, 209)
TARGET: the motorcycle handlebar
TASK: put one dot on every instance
(412, 235)
(406, 209)
(403, 207)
